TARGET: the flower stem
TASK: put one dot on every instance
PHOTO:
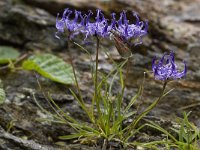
(96, 78)
(81, 101)
(148, 109)
(123, 89)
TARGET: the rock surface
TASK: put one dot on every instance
(30, 25)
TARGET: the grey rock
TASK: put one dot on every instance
(28, 27)
(192, 13)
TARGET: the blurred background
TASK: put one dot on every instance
(29, 26)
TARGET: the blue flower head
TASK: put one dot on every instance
(129, 31)
(98, 28)
(166, 69)
(101, 27)
(74, 26)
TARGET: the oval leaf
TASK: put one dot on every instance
(8, 54)
(50, 66)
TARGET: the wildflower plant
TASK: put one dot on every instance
(107, 113)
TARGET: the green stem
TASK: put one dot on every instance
(124, 82)
(96, 79)
(77, 85)
(123, 89)
(148, 109)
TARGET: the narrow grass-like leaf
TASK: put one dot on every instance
(2, 94)
(8, 54)
(132, 101)
(50, 66)
(71, 136)
(156, 126)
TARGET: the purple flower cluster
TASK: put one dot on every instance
(101, 27)
(166, 68)
(77, 23)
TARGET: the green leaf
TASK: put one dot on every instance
(2, 94)
(8, 54)
(134, 98)
(50, 66)
(72, 136)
